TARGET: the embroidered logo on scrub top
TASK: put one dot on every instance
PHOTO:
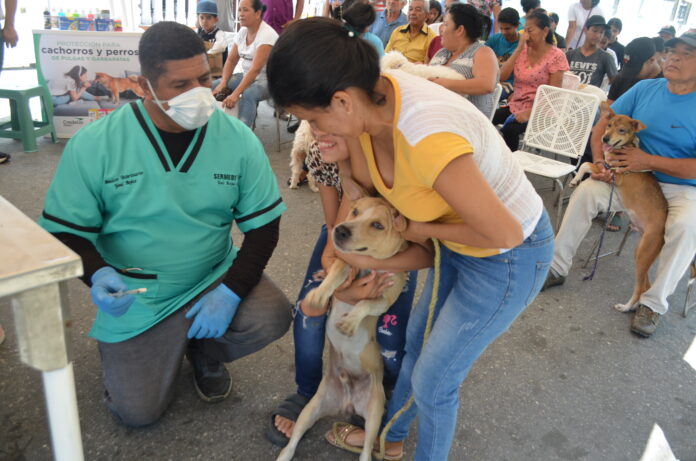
(226, 179)
(124, 180)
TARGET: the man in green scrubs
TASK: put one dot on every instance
(147, 197)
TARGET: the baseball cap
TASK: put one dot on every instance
(638, 51)
(689, 38)
(206, 7)
(669, 30)
(596, 20)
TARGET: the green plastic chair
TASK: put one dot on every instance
(21, 126)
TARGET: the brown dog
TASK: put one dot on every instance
(641, 196)
(117, 85)
(352, 381)
(300, 147)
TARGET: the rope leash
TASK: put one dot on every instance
(604, 231)
(426, 334)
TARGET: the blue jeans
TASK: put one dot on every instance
(65, 98)
(478, 299)
(309, 332)
(250, 99)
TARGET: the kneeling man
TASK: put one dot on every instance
(147, 197)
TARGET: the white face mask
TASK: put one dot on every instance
(191, 109)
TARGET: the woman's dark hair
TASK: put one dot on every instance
(636, 54)
(554, 17)
(595, 3)
(360, 16)
(659, 44)
(337, 13)
(316, 57)
(509, 16)
(616, 22)
(528, 5)
(436, 5)
(542, 20)
(166, 41)
(75, 73)
(468, 16)
(258, 5)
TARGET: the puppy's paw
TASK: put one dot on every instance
(293, 183)
(316, 299)
(628, 307)
(348, 325)
(575, 181)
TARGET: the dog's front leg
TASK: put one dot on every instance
(585, 168)
(350, 321)
(319, 297)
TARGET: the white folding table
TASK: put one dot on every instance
(34, 270)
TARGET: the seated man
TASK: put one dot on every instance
(668, 147)
(590, 62)
(413, 39)
(147, 197)
(505, 43)
(388, 20)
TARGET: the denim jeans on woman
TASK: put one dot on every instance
(478, 299)
(255, 93)
(309, 332)
(65, 98)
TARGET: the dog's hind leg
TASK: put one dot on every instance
(647, 250)
(373, 417)
(320, 405)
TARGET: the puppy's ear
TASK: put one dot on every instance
(400, 223)
(637, 126)
(606, 110)
(352, 189)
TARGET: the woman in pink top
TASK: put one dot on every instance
(536, 61)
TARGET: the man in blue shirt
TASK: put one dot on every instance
(388, 20)
(505, 42)
(668, 148)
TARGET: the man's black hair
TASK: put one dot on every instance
(528, 5)
(509, 16)
(166, 41)
(316, 57)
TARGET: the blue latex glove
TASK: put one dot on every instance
(105, 281)
(213, 312)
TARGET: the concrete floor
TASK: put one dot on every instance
(567, 382)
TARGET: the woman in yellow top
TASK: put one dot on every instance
(440, 162)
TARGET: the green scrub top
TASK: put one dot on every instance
(165, 227)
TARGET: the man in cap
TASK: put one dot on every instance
(590, 62)
(668, 148)
(667, 33)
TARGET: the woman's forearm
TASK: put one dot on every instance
(473, 86)
(508, 235)
(415, 257)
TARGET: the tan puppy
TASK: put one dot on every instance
(641, 196)
(352, 381)
(300, 146)
(117, 85)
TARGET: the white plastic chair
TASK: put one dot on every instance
(496, 98)
(560, 123)
(570, 81)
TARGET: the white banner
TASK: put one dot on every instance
(88, 74)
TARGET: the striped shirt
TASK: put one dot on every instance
(464, 64)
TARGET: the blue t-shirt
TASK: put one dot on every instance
(375, 41)
(502, 48)
(670, 120)
(384, 30)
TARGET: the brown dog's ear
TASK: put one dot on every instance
(400, 223)
(606, 110)
(352, 189)
(637, 126)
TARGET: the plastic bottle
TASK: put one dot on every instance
(118, 25)
(75, 15)
(61, 12)
(55, 20)
(47, 18)
(105, 14)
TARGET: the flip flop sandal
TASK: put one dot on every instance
(340, 432)
(289, 408)
(615, 224)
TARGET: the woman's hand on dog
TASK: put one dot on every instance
(231, 100)
(629, 159)
(371, 286)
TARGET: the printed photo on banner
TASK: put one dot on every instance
(88, 74)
